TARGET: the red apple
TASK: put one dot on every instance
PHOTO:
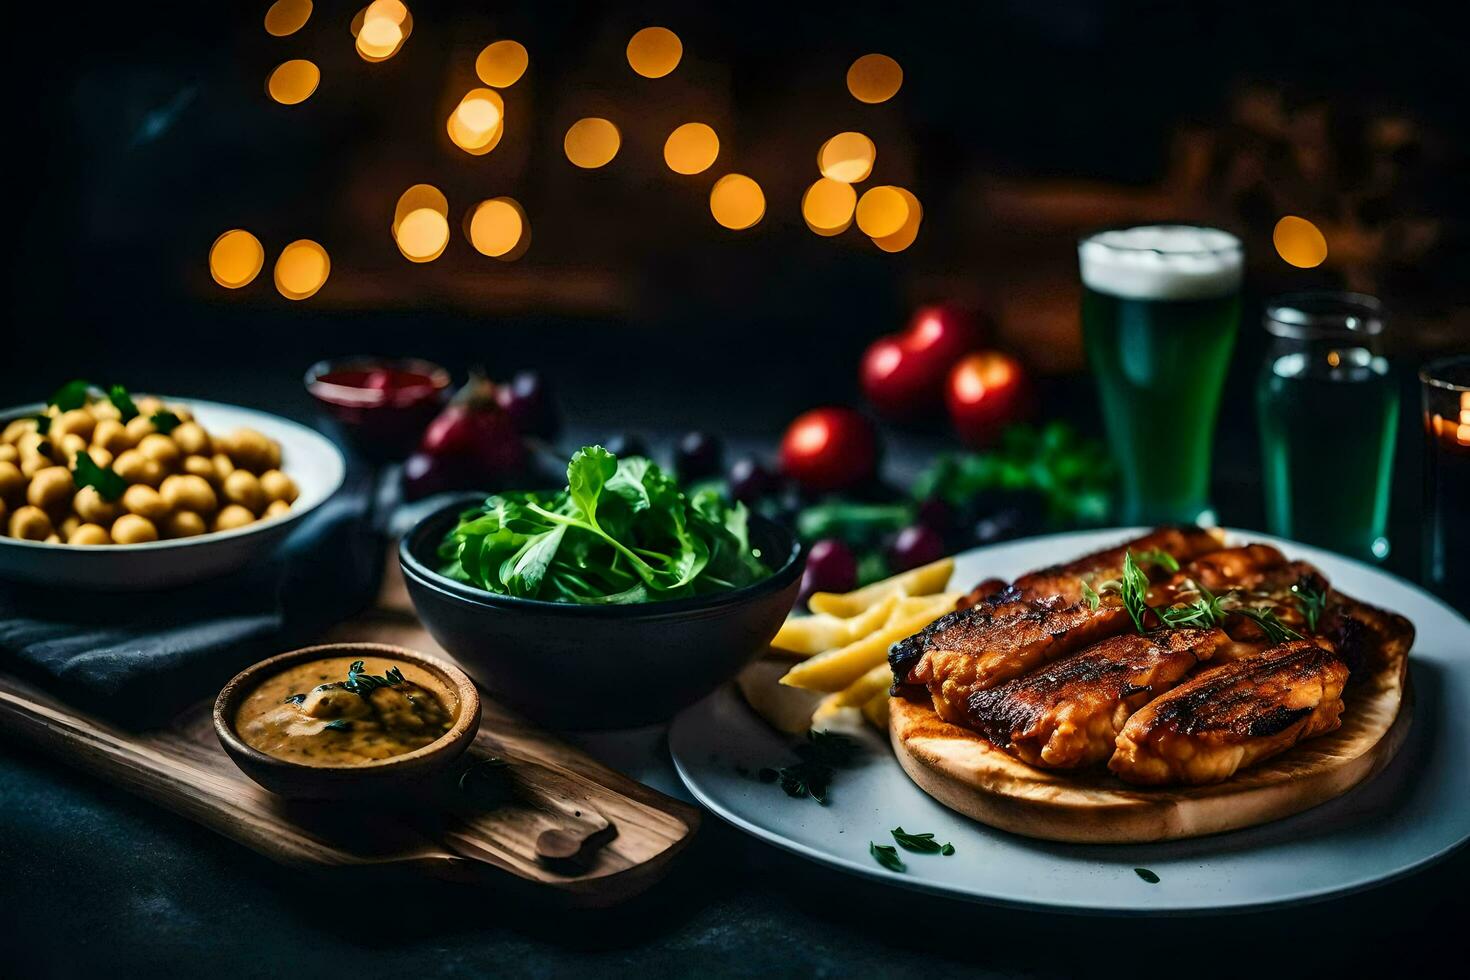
(903, 374)
(986, 390)
(830, 449)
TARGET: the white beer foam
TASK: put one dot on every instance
(1162, 262)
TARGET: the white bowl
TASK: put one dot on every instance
(306, 456)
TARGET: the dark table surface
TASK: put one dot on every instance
(94, 881)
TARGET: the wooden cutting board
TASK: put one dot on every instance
(544, 815)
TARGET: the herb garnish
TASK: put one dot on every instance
(119, 397)
(1147, 875)
(87, 473)
(71, 395)
(1265, 617)
(920, 843)
(947, 850)
(1131, 587)
(43, 424)
(165, 421)
(361, 683)
(1311, 600)
(337, 725)
(887, 855)
(821, 755)
(1158, 556)
(293, 699)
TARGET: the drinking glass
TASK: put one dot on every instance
(1160, 310)
(1328, 410)
(1446, 392)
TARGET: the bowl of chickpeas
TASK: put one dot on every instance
(148, 492)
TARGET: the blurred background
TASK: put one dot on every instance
(140, 133)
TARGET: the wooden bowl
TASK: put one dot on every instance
(376, 779)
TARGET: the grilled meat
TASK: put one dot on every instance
(1232, 716)
(1069, 712)
(1182, 543)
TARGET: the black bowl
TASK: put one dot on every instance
(575, 666)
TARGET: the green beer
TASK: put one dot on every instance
(1160, 310)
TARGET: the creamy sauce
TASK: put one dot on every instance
(312, 714)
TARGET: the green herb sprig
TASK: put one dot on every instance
(361, 683)
(887, 855)
(1147, 875)
(119, 397)
(1311, 600)
(821, 755)
(920, 843)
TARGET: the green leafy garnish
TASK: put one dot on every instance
(1134, 590)
(1265, 617)
(165, 421)
(920, 843)
(293, 699)
(1157, 556)
(1090, 596)
(71, 395)
(337, 725)
(119, 397)
(1147, 875)
(821, 755)
(1311, 600)
(109, 485)
(887, 855)
(947, 850)
(621, 532)
(361, 683)
(1205, 611)
(43, 424)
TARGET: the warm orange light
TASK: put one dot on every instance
(473, 143)
(654, 52)
(691, 149)
(497, 227)
(882, 211)
(293, 81)
(422, 235)
(737, 202)
(236, 258)
(905, 236)
(287, 17)
(302, 269)
(591, 143)
(381, 28)
(827, 206)
(1299, 242)
(847, 157)
(418, 197)
(502, 63)
(874, 78)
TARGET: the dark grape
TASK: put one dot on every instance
(830, 567)
(623, 444)
(915, 545)
(750, 480)
(528, 403)
(698, 456)
(425, 475)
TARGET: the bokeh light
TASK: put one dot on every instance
(654, 52)
(287, 17)
(422, 235)
(905, 236)
(737, 202)
(691, 148)
(847, 157)
(592, 142)
(236, 258)
(498, 228)
(476, 124)
(1299, 242)
(416, 197)
(502, 63)
(874, 78)
(827, 206)
(302, 269)
(293, 81)
(882, 211)
(380, 29)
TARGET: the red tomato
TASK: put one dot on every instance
(986, 390)
(830, 449)
(903, 374)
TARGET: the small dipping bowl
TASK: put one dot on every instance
(378, 406)
(378, 778)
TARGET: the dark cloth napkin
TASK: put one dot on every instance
(138, 658)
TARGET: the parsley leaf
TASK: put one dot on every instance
(919, 843)
(87, 473)
(337, 725)
(43, 424)
(887, 855)
(71, 395)
(119, 396)
(361, 683)
(1147, 875)
(165, 421)
(821, 755)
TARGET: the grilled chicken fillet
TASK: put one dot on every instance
(1232, 716)
(1069, 712)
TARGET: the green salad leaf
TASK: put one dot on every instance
(622, 531)
(71, 395)
(107, 483)
(119, 397)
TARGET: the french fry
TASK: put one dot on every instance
(876, 710)
(831, 716)
(836, 669)
(862, 690)
(924, 580)
(805, 635)
(786, 709)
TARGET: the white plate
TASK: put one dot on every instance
(307, 457)
(1416, 810)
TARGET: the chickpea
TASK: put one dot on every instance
(278, 486)
(71, 444)
(144, 501)
(241, 487)
(182, 411)
(183, 524)
(223, 467)
(189, 493)
(79, 421)
(112, 435)
(30, 524)
(231, 517)
(134, 467)
(8, 453)
(31, 465)
(53, 538)
(275, 509)
(50, 487)
(105, 410)
(161, 449)
(89, 534)
(252, 451)
(14, 430)
(94, 509)
(139, 427)
(192, 438)
(12, 482)
(200, 466)
(132, 529)
(4, 516)
(68, 524)
(101, 457)
(33, 444)
(148, 406)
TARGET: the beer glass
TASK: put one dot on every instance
(1446, 388)
(1160, 310)
(1328, 409)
